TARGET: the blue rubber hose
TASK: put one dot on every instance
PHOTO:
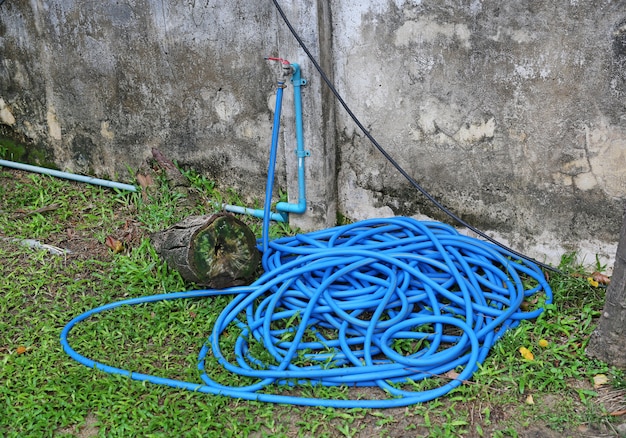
(269, 185)
(338, 307)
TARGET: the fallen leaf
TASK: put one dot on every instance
(618, 413)
(452, 375)
(599, 380)
(530, 400)
(51, 207)
(601, 278)
(527, 304)
(115, 245)
(526, 353)
(144, 181)
(20, 350)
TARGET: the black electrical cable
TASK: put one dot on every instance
(371, 138)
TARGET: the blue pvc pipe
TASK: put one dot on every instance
(300, 206)
(255, 212)
(284, 208)
(70, 176)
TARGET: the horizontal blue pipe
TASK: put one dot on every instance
(66, 175)
(256, 212)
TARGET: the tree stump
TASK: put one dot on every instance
(215, 251)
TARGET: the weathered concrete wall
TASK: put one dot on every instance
(99, 84)
(510, 113)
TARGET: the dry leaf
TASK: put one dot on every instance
(144, 180)
(115, 245)
(530, 400)
(601, 278)
(452, 375)
(52, 207)
(20, 350)
(599, 380)
(527, 304)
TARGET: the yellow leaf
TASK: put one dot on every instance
(592, 282)
(115, 245)
(526, 354)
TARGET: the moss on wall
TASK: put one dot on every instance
(14, 147)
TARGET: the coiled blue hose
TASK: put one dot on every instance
(381, 302)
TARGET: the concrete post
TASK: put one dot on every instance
(608, 341)
(311, 19)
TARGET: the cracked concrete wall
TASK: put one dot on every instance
(510, 113)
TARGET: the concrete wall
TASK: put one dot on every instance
(510, 113)
(100, 83)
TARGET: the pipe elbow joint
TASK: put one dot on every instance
(286, 207)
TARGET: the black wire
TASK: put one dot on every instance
(389, 157)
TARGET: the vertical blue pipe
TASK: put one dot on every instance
(283, 208)
(300, 207)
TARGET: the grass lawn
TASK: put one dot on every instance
(44, 393)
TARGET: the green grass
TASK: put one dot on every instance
(45, 393)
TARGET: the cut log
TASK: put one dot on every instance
(215, 251)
